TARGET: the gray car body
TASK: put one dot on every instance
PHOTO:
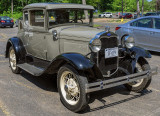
(40, 42)
(147, 38)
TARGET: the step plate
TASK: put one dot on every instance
(36, 71)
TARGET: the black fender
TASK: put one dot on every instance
(18, 47)
(81, 63)
(139, 53)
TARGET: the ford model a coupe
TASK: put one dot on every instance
(55, 39)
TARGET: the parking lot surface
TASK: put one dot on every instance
(26, 95)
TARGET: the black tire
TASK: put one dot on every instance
(83, 99)
(146, 81)
(11, 26)
(15, 70)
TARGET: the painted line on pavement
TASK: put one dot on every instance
(1, 55)
(29, 87)
(154, 89)
(3, 35)
(4, 109)
(3, 61)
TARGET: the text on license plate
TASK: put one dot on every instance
(111, 52)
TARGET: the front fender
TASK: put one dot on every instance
(139, 53)
(81, 63)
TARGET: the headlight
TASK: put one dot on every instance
(95, 45)
(129, 42)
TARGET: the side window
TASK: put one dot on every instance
(37, 18)
(157, 23)
(147, 23)
(26, 17)
(134, 24)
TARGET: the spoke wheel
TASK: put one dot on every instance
(13, 61)
(142, 84)
(137, 82)
(71, 88)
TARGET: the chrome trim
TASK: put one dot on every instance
(91, 87)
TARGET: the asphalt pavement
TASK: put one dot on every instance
(26, 95)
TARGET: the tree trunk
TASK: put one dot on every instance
(142, 7)
(85, 12)
(138, 11)
(122, 7)
(12, 7)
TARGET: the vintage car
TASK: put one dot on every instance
(56, 39)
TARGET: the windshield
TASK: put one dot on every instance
(69, 16)
(6, 18)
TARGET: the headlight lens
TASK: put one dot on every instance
(95, 45)
(129, 42)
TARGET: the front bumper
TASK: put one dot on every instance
(91, 87)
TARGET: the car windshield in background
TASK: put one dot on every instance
(67, 16)
(5, 18)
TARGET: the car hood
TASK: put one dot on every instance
(82, 32)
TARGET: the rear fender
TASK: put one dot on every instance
(17, 45)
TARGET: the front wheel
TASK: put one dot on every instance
(142, 84)
(71, 87)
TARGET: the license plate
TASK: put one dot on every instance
(111, 52)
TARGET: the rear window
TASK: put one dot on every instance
(5, 18)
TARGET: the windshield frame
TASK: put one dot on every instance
(90, 20)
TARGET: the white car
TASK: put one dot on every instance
(105, 15)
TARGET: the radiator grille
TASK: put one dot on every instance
(109, 63)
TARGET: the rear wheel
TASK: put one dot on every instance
(71, 87)
(142, 84)
(11, 26)
(13, 61)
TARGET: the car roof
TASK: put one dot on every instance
(139, 18)
(58, 6)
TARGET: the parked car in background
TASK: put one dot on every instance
(145, 30)
(17, 21)
(150, 14)
(58, 41)
(118, 14)
(6, 21)
(126, 15)
(106, 15)
(135, 15)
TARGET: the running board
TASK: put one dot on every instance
(36, 71)
(91, 87)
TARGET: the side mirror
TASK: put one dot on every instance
(55, 35)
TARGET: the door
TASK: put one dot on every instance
(37, 35)
(142, 32)
(154, 39)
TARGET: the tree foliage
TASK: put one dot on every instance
(102, 5)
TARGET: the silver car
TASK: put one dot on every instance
(145, 31)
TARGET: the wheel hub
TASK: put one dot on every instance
(71, 87)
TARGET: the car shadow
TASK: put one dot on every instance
(49, 83)
(100, 95)
(155, 53)
(45, 82)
